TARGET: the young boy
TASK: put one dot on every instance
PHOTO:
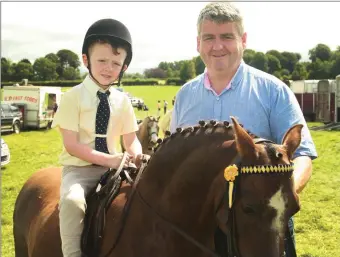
(91, 117)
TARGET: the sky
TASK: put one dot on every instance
(162, 31)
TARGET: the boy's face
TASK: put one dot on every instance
(106, 63)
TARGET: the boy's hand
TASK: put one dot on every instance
(139, 159)
(116, 160)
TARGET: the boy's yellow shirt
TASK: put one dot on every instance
(77, 112)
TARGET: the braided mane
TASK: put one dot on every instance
(203, 127)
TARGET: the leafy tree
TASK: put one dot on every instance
(26, 61)
(188, 70)
(199, 65)
(7, 70)
(23, 70)
(155, 73)
(320, 69)
(133, 76)
(44, 69)
(284, 72)
(321, 51)
(71, 73)
(260, 61)
(277, 54)
(274, 64)
(52, 57)
(335, 69)
(66, 58)
(248, 55)
(300, 72)
(169, 73)
(289, 60)
(277, 74)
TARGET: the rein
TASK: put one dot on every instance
(177, 229)
(128, 203)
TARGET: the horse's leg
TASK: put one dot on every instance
(20, 244)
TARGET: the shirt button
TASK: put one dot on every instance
(218, 99)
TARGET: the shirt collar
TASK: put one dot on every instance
(92, 87)
(234, 81)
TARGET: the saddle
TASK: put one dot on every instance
(98, 202)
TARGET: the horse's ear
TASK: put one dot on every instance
(244, 143)
(292, 139)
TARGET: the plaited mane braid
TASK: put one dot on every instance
(202, 126)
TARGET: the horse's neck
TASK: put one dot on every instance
(181, 190)
(183, 187)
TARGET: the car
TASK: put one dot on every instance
(134, 100)
(11, 118)
(5, 154)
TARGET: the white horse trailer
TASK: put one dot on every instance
(37, 103)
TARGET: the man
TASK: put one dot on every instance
(229, 87)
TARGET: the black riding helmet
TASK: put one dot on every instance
(115, 32)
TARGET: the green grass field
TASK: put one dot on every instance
(317, 224)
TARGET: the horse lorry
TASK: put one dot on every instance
(36, 103)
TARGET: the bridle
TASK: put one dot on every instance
(233, 250)
(153, 130)
(235, 170)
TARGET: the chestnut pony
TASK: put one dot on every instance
(213, 175)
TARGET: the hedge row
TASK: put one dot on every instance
(55, 83)
(71, 83)
(175, 81)
(140, 82)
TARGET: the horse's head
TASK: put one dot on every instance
(148, 134)
(152, 129)
(256, 215)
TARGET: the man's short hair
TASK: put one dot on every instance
(221, 12)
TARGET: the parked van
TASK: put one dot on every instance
(37, 103)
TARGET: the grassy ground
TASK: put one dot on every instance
(317, 224)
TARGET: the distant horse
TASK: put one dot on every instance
(210, 176)
(147, 134)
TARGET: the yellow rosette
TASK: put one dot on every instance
(230, 174)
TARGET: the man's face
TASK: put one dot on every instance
(220, 45)
(106, 63)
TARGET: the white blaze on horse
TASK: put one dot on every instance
(147, 134)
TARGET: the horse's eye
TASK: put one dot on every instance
(249, 210)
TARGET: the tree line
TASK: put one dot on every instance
(323, 63)
(64, 65)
